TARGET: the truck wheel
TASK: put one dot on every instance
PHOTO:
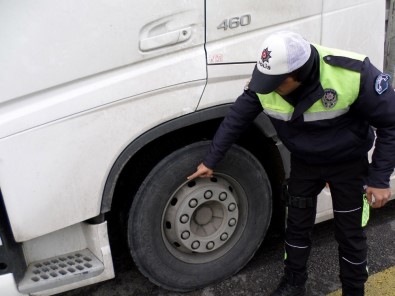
(184, 235)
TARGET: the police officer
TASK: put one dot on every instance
(323, 103)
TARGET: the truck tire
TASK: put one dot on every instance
(184, 235)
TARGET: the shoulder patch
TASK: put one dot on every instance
(344, 62)
(382, 82)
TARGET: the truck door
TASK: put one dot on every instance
(235, 30)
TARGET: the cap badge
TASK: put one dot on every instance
(382, 82)
(329, 99)
(265, 56)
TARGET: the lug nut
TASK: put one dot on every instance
(208, 194)
(224, 236)
(223, 196)
(184, 219)
(193, 203)
(232, 222)
(232, 207)
(195, 245)
(210, 245)
(185, 235)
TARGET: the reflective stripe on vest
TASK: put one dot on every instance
(345, 82)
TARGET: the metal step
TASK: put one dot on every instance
(60, 270)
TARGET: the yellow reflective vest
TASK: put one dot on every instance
(341, 88)
(321, 127)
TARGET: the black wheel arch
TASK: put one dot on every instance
(211, 117)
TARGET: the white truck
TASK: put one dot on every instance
(107, 106)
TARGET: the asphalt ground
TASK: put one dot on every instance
(261, 275)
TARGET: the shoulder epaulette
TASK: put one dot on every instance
(344, 62)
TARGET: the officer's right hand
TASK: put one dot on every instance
(202, 171)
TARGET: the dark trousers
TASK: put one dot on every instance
(346, 182)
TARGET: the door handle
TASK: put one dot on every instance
(166, 39)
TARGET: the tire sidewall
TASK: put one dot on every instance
(145, 218)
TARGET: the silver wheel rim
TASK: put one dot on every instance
(204, 218)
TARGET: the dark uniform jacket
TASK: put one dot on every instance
(344, 138)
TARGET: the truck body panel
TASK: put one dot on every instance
(82, 83)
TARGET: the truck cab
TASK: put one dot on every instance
(105, 109)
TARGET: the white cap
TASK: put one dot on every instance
(280, 54)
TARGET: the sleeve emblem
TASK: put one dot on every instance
(382, 83)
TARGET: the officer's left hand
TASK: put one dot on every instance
(377, 197)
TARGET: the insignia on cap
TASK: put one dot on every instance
(382, 82)
(329, 99)
(265, 56)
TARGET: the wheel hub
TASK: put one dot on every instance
(202, 216)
